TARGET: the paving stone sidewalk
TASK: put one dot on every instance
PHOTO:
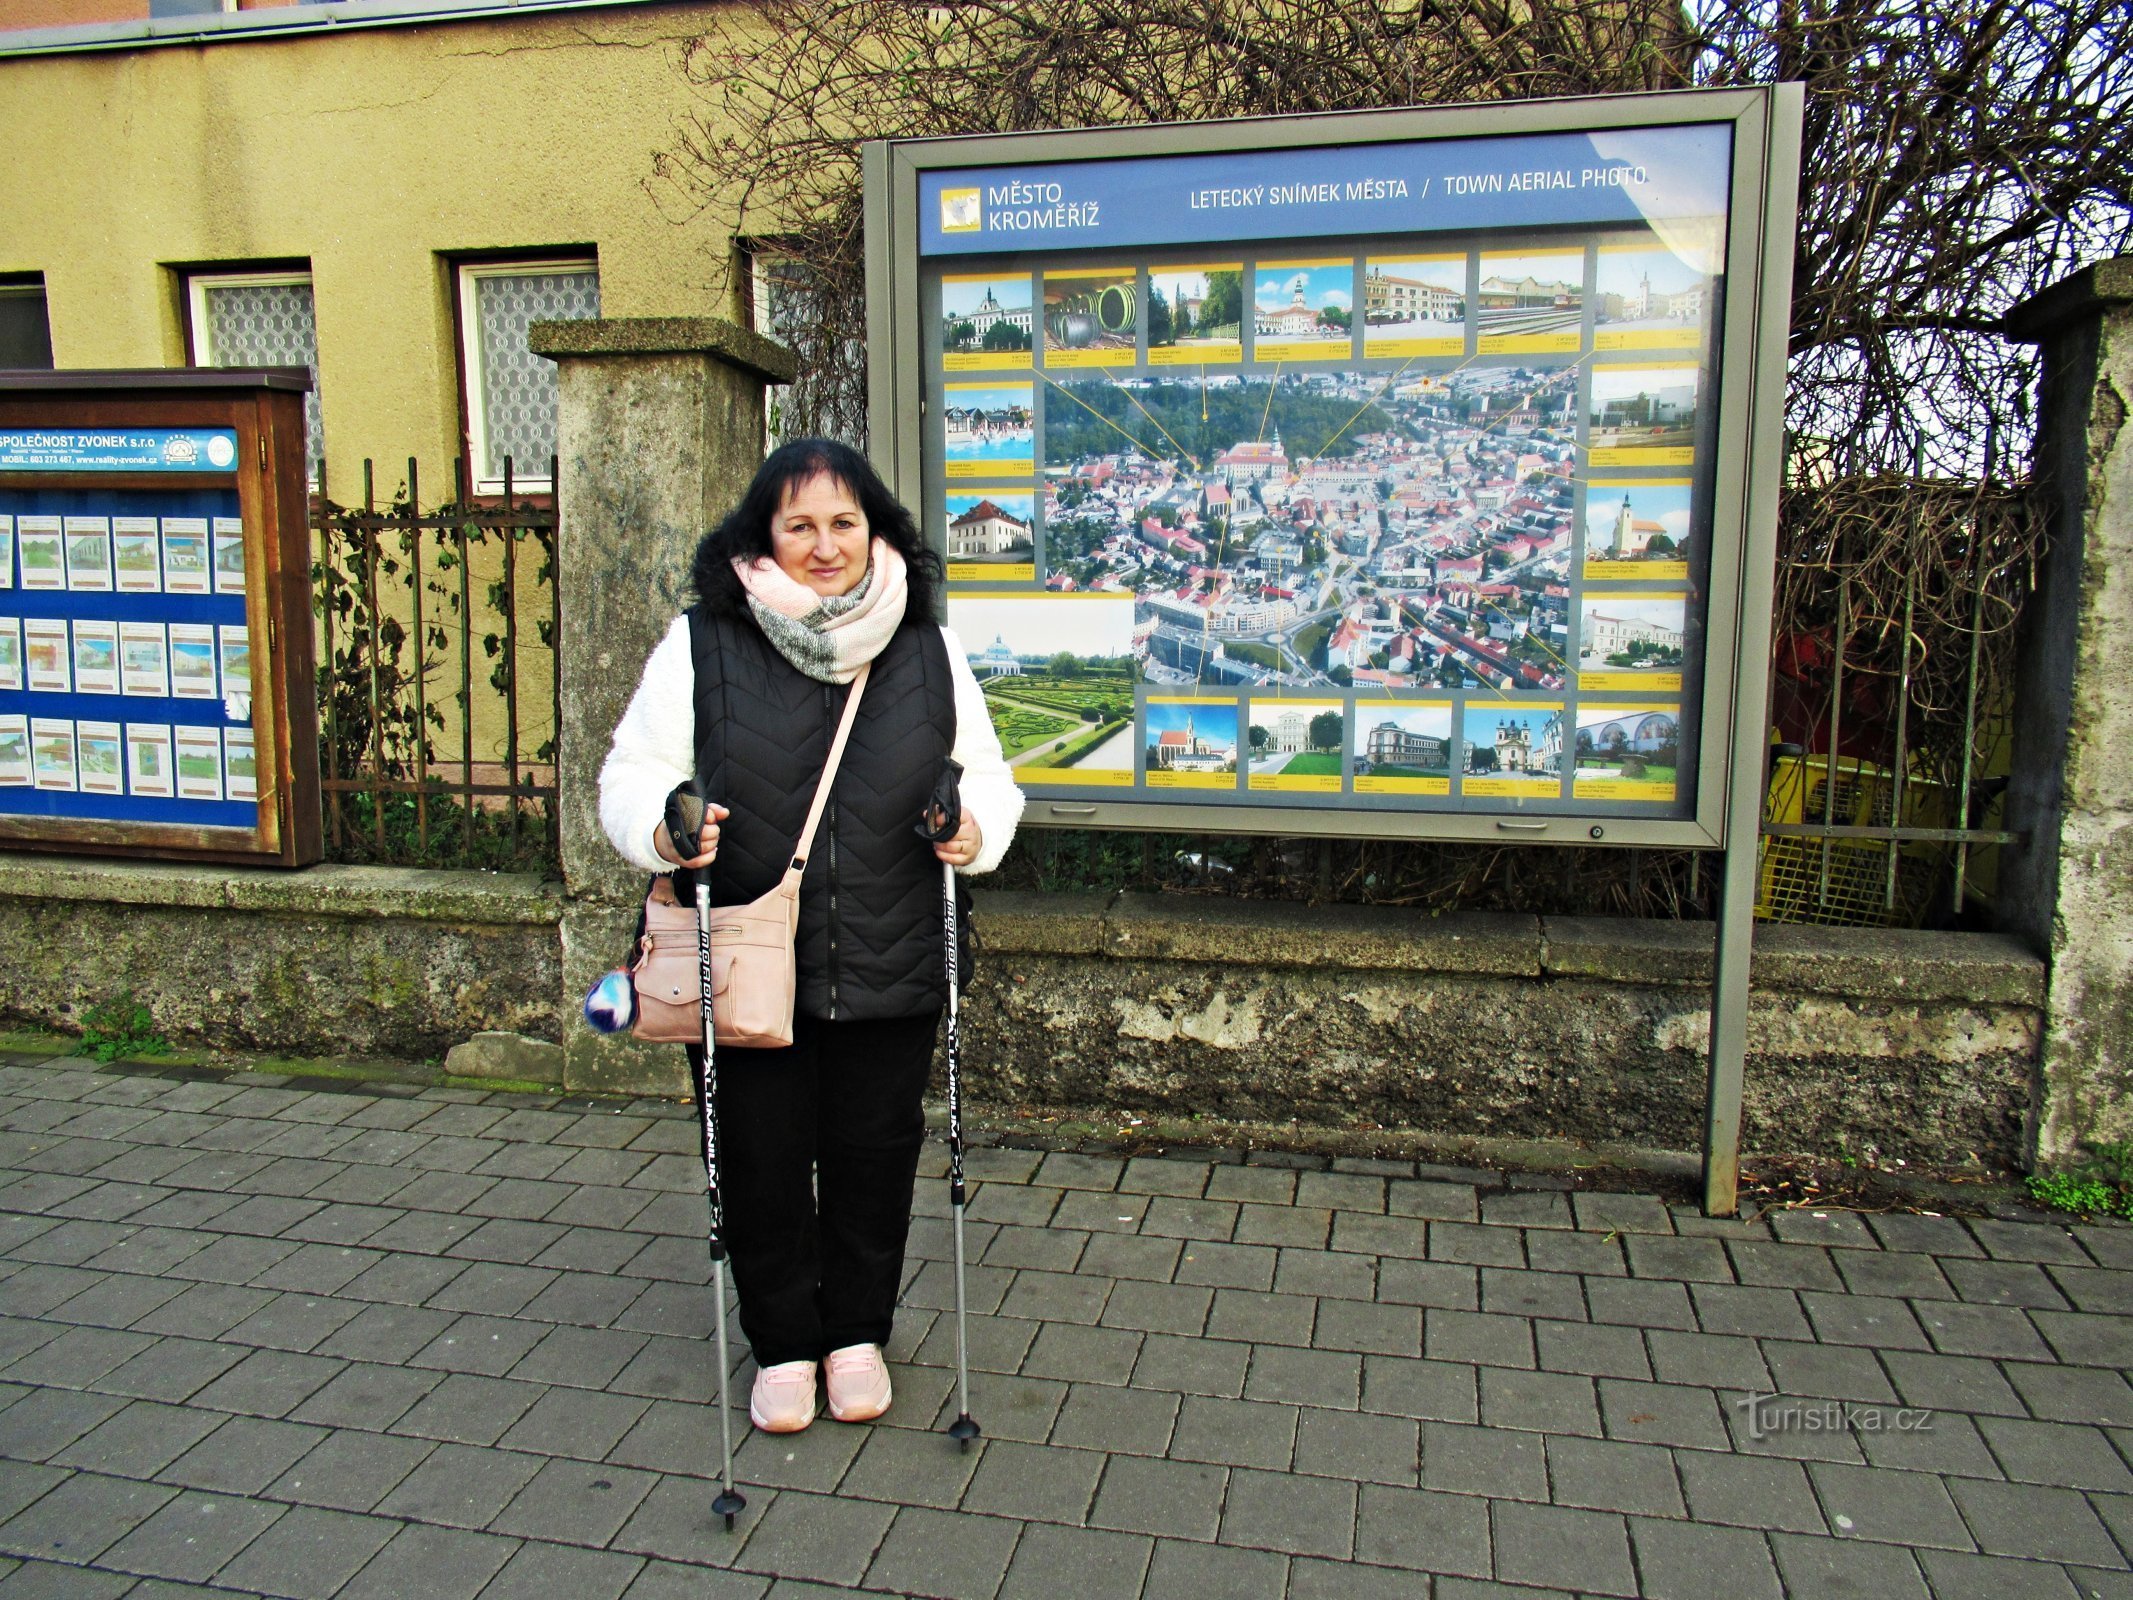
(274, 1337)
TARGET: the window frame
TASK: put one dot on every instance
(763, 255)
(26, 285)
(196, 278)
(467, 272)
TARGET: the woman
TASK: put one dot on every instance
(817, 571)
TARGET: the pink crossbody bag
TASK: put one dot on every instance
(752, 973)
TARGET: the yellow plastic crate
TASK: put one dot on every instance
(1792, 884)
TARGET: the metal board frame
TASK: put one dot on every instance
(1748, 427)
(1748, 467)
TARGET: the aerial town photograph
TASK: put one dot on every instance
(1323, 529)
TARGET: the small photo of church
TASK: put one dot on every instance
(986, 314)
(1501, 739)
(1642, 521)
(991, 525)
(1192, 736)
(1304, 302)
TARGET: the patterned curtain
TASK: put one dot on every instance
(518, 388)
(268, 325)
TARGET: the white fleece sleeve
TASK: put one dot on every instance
(652, 751)
(988, 787)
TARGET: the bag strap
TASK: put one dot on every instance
(829, 774)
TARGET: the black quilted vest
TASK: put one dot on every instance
(870, 900)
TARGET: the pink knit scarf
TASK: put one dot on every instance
(828, 639)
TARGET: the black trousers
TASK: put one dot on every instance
(818, 1152)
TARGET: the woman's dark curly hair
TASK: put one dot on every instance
(746, 531)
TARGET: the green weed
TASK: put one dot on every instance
(2099, 1184)
(119, 1028)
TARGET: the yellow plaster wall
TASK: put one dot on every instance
(374, 154)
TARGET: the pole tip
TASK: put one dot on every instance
(728, 1505)
(962, 1431)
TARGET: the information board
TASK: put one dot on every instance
(1381, 474)
(141, 570)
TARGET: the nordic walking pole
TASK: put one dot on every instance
(944, 814)
(730, 1500)
(684, 825)
(962, 1430)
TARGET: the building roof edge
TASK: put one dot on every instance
(237, 27)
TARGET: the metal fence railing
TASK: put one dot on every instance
(1893, 665)
(1893, 673)
(437, 674)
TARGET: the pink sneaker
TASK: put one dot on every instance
(784, 1397)
(858, 1383)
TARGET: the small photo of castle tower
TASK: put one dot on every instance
(1306, 306)
(987, 321)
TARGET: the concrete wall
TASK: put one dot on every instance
(343, 961)
(1922, 1046)
(1592, 1030)
(2068, 887)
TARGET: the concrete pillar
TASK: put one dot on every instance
(2069, 889)
(659, 431)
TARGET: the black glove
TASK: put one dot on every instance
(942, 813)
(685, 822)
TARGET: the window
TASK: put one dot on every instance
(769, 308)
(510, 391)
(259, 319)
(25, 330)
(789, 301)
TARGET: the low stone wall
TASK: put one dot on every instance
(353, 961)
(1922, 1046)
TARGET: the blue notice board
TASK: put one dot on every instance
(125, 654)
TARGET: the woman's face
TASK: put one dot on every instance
(819, 536)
